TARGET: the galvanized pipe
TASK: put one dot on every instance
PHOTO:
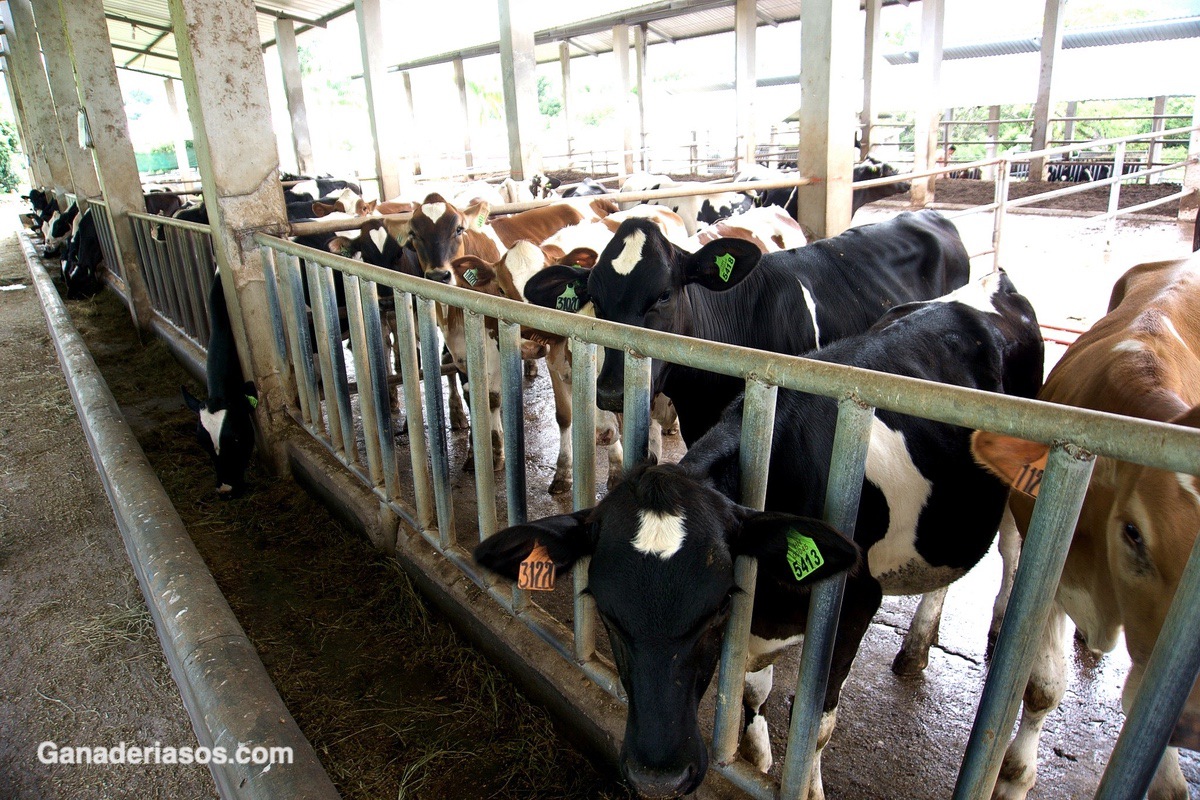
(384, 426)
(204, 271)
(171, 222)
(754, 457)
(435, 416)
(1114, 194)
(192, 287)
(296, 315)
(481, 423)
(512, 415)
(406, 345)
(183, 298)
(149, 268)
(1043, 553)
(847, 466)
(327, 342)
(583, 483)
(364, 373)
(636, 432)
(275, 309)
(1001, 200)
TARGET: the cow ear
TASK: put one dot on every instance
(1017, 462)
(567, 538)
(362, 208)
(191, 401)
(475, 216)
(584, 257)
(473, 271)
(561, 287)
(342, 246)
(323, 209)
(721, 264)
(793, 552)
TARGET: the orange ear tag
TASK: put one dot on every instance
(1029, 480)
(537, 571)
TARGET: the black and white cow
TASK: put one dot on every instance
(58, 229)
(225, 428)
(696, 210)
(587, 188)
(44, 205)
(785, 302)
(81, 263)
(869, 170)
(312, 189)
(663, 543)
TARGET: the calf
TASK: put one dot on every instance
(586, 188)
(225, 428)
(785, 302)
(81, 263)
(870, 169)
(57, 230)
(696, 210)
(162, 201)
(1137, 524)
(663, 543)
(769, 228)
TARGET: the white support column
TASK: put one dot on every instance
(181, 127)
(620, 38)
(293, 87)
(1158, 124)
(225, 82)
(61, 76)
(564, 60)
(1069, 124)
(410, 122)
(460, 81)
(745, 26)
(1191, 176)
(993, 131)
(116, 166)
(386, 133)
(45, 142)
(518, 72)
(35, 176)
(928, 115)
(1052, 34)
(827, 117)
(872, 38)
(639, 51)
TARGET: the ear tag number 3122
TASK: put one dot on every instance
(537, 571)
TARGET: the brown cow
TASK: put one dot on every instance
(1138, 524)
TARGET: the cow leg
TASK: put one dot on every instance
(497, 431)
(1047, 682)
(816, 785)
(608, 434)
(458, 410)
(922, 634)
(1009, 543)
(1168, 782)
(663, 410)
(560, 385)
(755, 746)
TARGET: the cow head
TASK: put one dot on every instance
(662, 545)
(873, 169)
(376, 245)
(225, 430)
(436, 233)
(640, 279)
(57, 230)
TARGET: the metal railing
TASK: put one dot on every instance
(108, 243)
(327, 411)
(178, 265)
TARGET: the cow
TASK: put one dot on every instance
(1137, 524)
(786, 302)
(662, 544)
(57, 230)
(315, 188)
(225, 424)
(868, 170)
(43, 203)
(696, 210)
(770, 228)
(585, 188)
(80, 266)
(161, 201)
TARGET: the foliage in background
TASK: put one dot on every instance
(549, 103)
(10, 145)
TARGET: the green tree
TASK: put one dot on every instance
(548, 104)
(10, 144)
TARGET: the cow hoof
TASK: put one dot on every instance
(756, 744)
(458, 421)
(531, 369)
(469, 464)
(498, 464)
(906, 663)
(561, 484)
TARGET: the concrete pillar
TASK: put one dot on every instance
(1191, 174)
(116, 166)
(620, 38)
(564, 60)
(872, 38)
(38, 171)
(293, 87)
(181, 127)
(1052, 34)
(61, 75)
(45, 142)
(460, 81)
(225, 83)
(518, 75)
(1069, 124)
(1158, 124)
(386, 133)
(745, 26)
(639, 51)
(928, 115)
(993, 132)
(827, 117)
(411, 123)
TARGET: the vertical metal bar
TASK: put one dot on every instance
(1164, 690)
(364, 373)
(148, 267)
(1042, 556)
(1114, 194)
(481, 422)
(847, 466)
(195, 290)
(754, 456)
(368, 296)
(435, 414)
(1001, 200)
(106, 239)
(185, 320)
(276, 311)
(203, 269)
(166, 283)
(637, 409)
(410, 376)
(583, 482)
(302, 349)
(513, 417)
(324, 305)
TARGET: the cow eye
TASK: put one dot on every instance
(1133, 535)
(459, 230)
(665, 296)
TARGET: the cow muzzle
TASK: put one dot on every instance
(439, 275)
(654, 783)
(608, 399)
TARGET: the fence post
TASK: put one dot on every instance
(1114, 196)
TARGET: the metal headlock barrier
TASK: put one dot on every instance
(177, 260)
(325, 409)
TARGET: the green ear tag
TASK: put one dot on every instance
(568, 300)
(803, 555)
(252, 400)
(471, 276)
(481, 220)
(725, 264)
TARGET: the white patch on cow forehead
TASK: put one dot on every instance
(379, 236)
(1188, 482)
(212, 422)
(433, 210)
(348, 198)
(631, 253)
(977, 294)
(659, 534)
(1129, 346)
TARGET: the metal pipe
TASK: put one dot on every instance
(384, 425)
(192, 286)
(847, 466)
(410, 374)
(326, 342)
(512, 414)
(183, 297)
(1002, 180)
(481, 422)
(204, 269)
(171, 222)
(148, 267)
(364, 373)
(1043, 553)
(296, 315)
(435, 415)
(1114, 195)
(276, 312)
(583, 483)
(636, 433)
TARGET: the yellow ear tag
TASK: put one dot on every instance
(803, 555)
(1029, 480)
(537, 571)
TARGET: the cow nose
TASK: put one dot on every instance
(610, 400)
(439, 275)
(655, 783)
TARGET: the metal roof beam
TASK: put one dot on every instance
(767, 18)
(152, 26)
(279, 13)
(583, 47)
(321, 21)
(148, 50)
(660, 33)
